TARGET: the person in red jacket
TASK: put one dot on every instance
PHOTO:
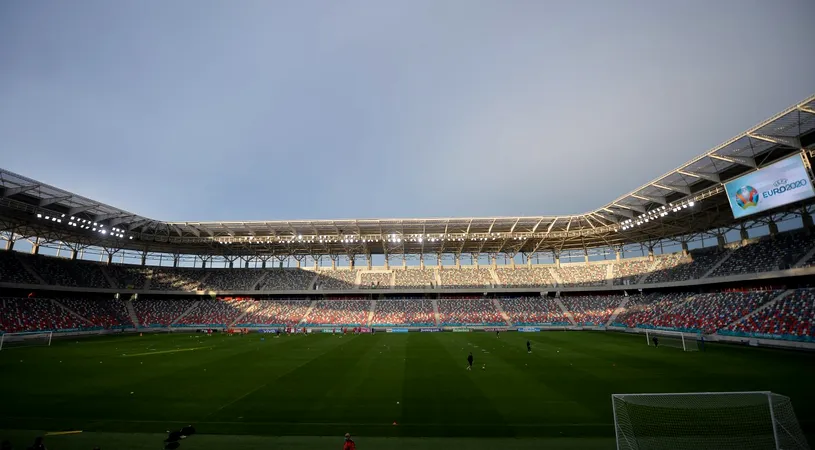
(349, 443)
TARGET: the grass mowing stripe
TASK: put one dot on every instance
(161, 352)
(278, 375)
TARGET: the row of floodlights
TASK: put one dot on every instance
(349, 239)
(655, 214)
(85, 224)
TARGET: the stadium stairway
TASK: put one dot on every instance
(30, 270)
(263, 275)
(494, 275)
(358, 279)
(313, 281)
(555, 276)
(758, 310)
(148, 279)
(610, 275)
(109, 278)
(721, 261)
(252, 308)
(500, 310)
(192, 308)
(437, 277)
(801, 262)
(70, 311)
(201, 280)
(436, 309)
(134, 318)
(372, 311)
(648, 271)
(617, 311)
(566, 312)
(308, 312)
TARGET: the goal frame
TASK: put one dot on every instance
(768, 394)
(4, 337)
(685, 337)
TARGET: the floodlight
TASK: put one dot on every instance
(691, 203)
(39, 216)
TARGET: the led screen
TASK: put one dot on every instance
(778, 184)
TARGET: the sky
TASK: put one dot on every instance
(269, 110)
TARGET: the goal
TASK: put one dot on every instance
(676, 339)
(31, 339)
(706, 420)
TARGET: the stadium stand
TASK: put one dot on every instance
(375, 280)
(414, 278)
(279, 313)
(232, 279)
(792, 317)
(12, 270)
(466, 278)
(107, 314)
(629, 272)
(525, 277)
(583, 275)
(336, 279)
(213, 312)
(643, 310)
(709, 312)
(64, 272)
(526, 311)
(286, 280)
(684, 268)
(465, 312)
(159, 313)
(592, 310)
(34, 314)
(402, 313)
(766, 254)
(176, 279)
(127, 277)
(341, 313)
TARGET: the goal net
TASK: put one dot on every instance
(706, 420)
(676, 339)
(12, 340)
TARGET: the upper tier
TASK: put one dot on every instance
(765, 255)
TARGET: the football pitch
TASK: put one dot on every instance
(388, 390)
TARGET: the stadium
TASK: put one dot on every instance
(412, 224)
(714, 259)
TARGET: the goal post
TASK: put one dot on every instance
(676, 339)
(30, 339)
(715, 420)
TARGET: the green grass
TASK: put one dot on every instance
(324, 385)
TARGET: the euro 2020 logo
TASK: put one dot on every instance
(746, 197)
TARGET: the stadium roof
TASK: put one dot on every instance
(682, 202)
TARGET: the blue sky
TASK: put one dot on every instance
(212, 110)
